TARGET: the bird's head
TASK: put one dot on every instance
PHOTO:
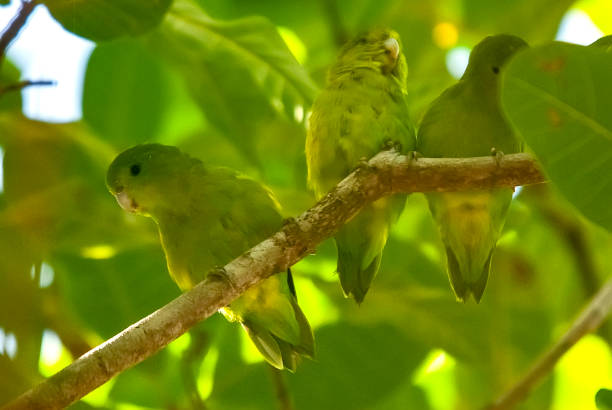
(150, 177)
(490, 55)
(379, 49)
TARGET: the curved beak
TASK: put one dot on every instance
(392, 45)
(126, 202)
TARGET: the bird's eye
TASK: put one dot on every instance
(495, 69)
(135, 169)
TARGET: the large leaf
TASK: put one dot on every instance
(107, 19)
(240, 72)
(347, 356)
(559, 97)
(125, 92)
(102, 291)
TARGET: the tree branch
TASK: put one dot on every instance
(590, 319)
(23, 84)
(386, 173)
(16, 24)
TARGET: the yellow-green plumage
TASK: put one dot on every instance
(466, 120)
(207, 216)
(361, 111)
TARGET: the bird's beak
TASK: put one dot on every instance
(126, 202)
(392, 45)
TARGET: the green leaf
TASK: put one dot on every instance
(101, 20)
(347, 356)
(559, 96)
(12, 99)
(240, 72)
(603, 399)
(125, 92)
(84, 280)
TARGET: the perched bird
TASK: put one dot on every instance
(466, 120)
(207, 216)
(361, 111)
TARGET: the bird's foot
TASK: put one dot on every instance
(362, 165)
(414, 155)
(289, 221)
(498, 155)
(219, 274)
(391, 145)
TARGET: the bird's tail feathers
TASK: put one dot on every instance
(458, 272)
(354, 279)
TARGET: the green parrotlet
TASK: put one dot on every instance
(466, 120)
(207, 216)
(361, 111)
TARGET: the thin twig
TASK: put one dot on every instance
(16, 24)
(23, 84)
(386, 173)
(590, 319)
(280, 387)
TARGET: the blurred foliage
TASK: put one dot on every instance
(107, 19)
(559, 98)
(603, 398)
(231, 82)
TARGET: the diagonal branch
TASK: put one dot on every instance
(24, 84)
(16, 24)
(590, 319)
(386, 173)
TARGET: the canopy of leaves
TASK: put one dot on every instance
(559, 98)
(231, 82)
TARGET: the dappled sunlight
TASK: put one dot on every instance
(577, 27)
(53, 354)
(295, 45)
(436, 375)
(178, 346)
(581, 372)
(206, 375)
(8, 343)
(445, 35)
(457, 60)
(98, 252)
(315, 304)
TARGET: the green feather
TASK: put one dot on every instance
(207, 216)
(361, 109)
(466, 120)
